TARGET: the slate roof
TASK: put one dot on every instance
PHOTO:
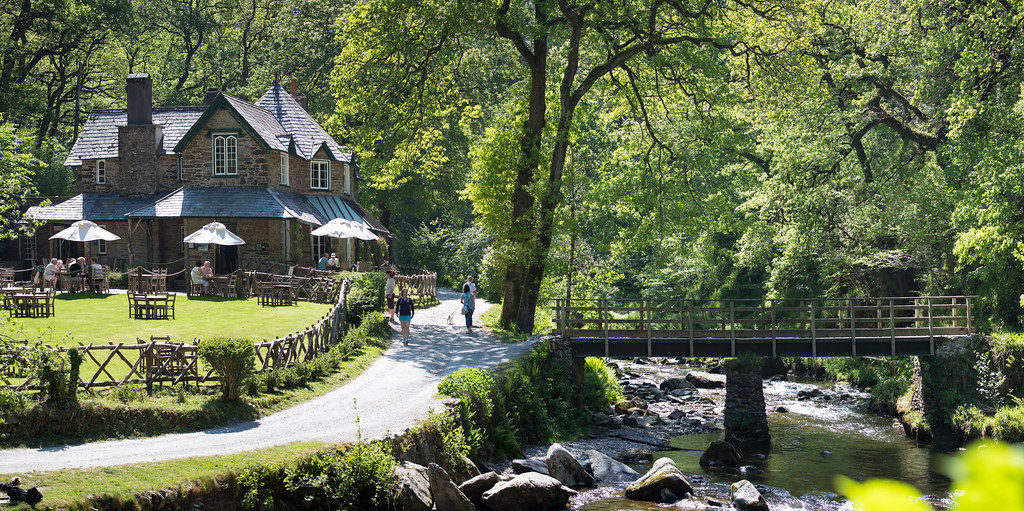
(261, 121)
(305, 131)
(98, 207)
(237, 202)
(98, 138)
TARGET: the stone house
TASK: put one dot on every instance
(267, 170)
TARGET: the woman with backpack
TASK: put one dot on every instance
(468, 306)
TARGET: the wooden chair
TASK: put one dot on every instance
(101, 280)
(131, 304)
(232, 289)
(168, 306)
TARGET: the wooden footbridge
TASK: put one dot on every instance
(888, 326)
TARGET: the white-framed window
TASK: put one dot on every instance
(348, 179)
(225, 155)
(101, 245)
(320, 175)
(101, 172)
(321, 246)
(285, 178)
(180, 173)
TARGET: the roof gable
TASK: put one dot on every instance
(258, 121)
(307, 134)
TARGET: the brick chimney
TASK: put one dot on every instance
(137, 142)
(299, 98)
(211, 94)
(140, 99)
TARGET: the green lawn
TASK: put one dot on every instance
(103, 319)
(64, 487)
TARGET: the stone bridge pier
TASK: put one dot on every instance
(746, 422)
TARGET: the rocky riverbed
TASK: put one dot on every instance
(648, 452)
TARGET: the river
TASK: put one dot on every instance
(798, 473)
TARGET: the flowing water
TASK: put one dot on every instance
(796, 474)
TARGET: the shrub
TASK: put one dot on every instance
(371, 329)
(128, 393)
(357, 478)
(366, 294)
(57, 371)
(12, 401)
(232, 359)
(600, 386)
(885, 394)
(260, 485)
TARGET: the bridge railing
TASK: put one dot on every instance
(785, 327)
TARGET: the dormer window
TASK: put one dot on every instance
(320, 175)
(225, 155)
(101, 172)
(285, 178)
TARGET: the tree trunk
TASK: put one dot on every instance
(518, 273)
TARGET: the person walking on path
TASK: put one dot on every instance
(406, 310)
(389, 293)
(468, 306)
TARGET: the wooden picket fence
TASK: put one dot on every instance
(161, 361)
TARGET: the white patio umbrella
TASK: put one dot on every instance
(342, 228)
(214, 233)
(85, 231)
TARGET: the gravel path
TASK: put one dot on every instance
(391, 395)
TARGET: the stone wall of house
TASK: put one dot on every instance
(86, 176)
(137, 159)
(254, 161)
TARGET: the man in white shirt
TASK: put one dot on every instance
(50, 273)
(197, 276)
(472, 287)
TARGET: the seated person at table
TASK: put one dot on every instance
(197, 276)
(50, 273)
(322, 263)
(207, 270)
(74, 271)
(333, 263)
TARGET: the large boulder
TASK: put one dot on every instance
(675, 384)
(447, 496)
(720, 454)
(474, 488)
(608, 470)
(532, 491)
(745, 497)
(522, 466)
(413, 493)
(703, 380)
(562, 465)
(664, 482)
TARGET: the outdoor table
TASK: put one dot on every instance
(283, 294)
(30, 305)
(219, 285)
(151, 306)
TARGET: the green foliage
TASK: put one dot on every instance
(855, 371)
(528, 402)
(986, 476)
(354, 478)
(128, 393)
(16, 171)
(600, 386)
(232, 359)
(12, 401)
(454, 253)
(365, 295)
